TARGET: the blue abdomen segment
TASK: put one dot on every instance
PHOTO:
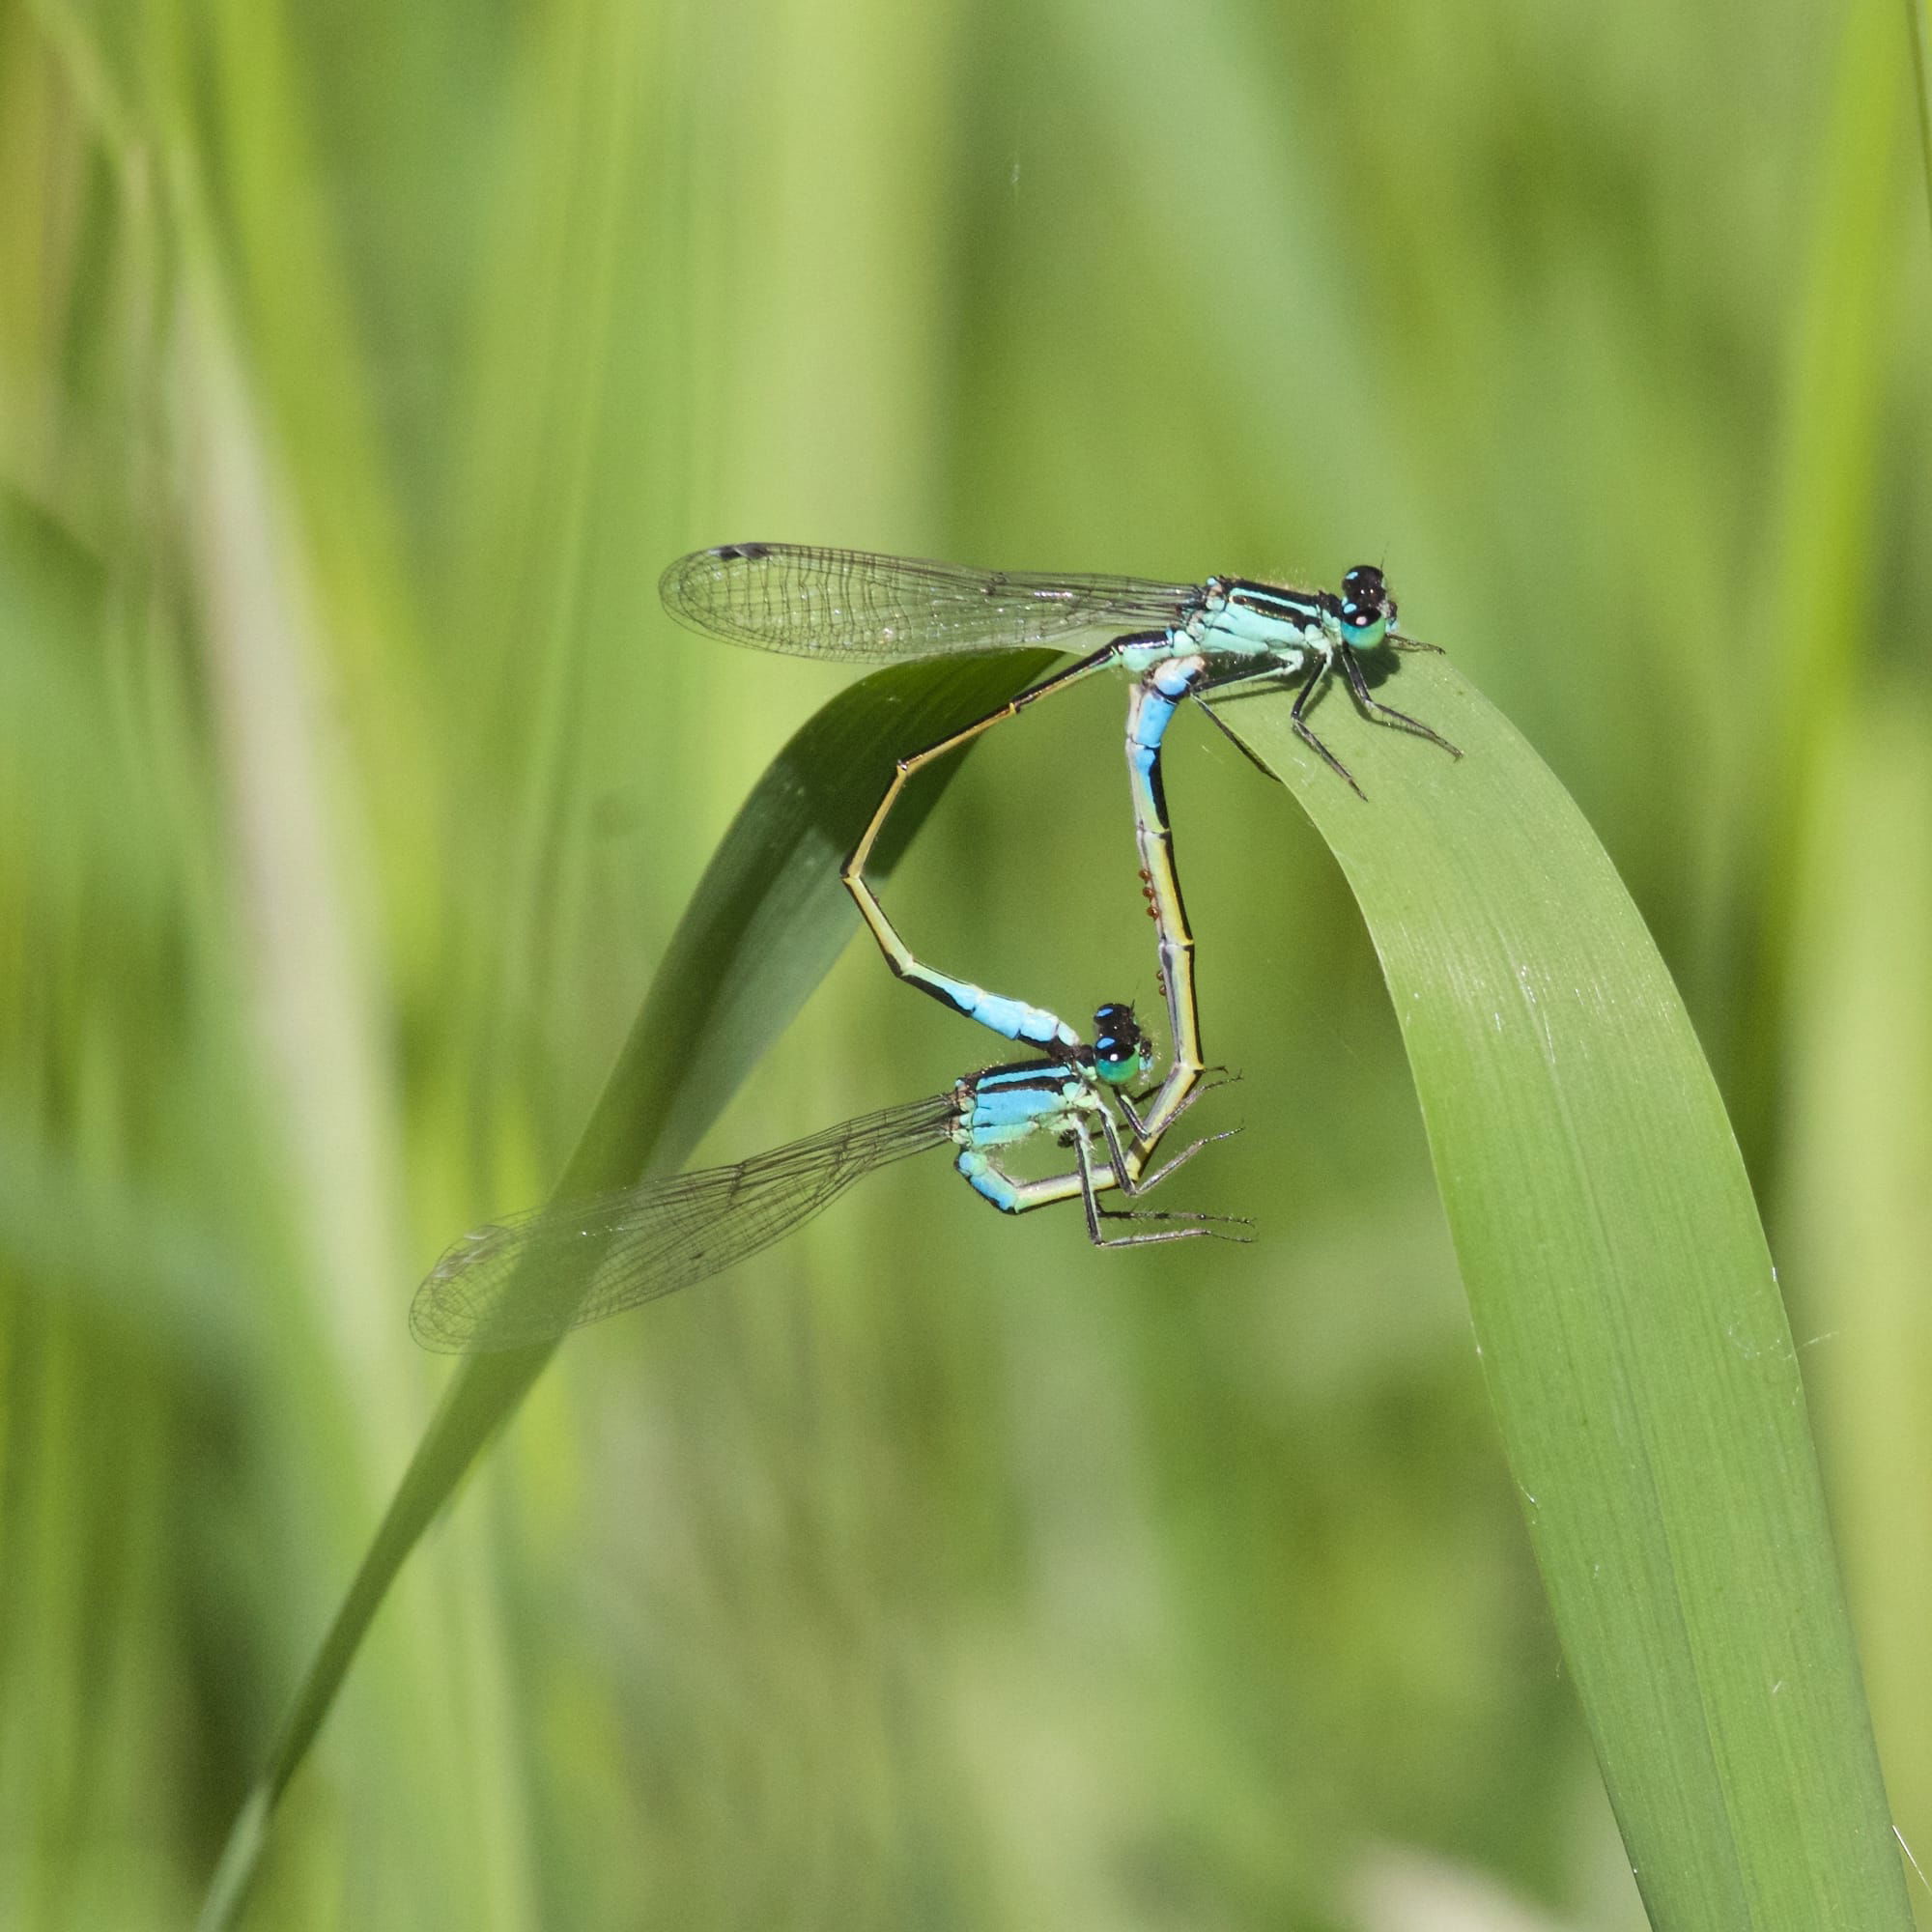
(987, 1180)
(1013, 1101)
(1166, 685)
(1156, 700)
(1013, 1019)
(1002, 1108)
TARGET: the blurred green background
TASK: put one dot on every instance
(360, 368)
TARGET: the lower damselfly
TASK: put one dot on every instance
(531, 1278)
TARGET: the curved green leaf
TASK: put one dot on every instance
(1634, 1342)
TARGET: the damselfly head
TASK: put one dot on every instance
(1122, 1050)
(1366, 611)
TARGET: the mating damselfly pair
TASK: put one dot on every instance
(530, 1279)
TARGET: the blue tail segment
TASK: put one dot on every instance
(1013, 1019)
(1162, 690)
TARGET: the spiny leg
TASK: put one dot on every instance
(1133, 1184)
(1359, 685)
(1010, 1018)
(1305, 731)
(1130, 1105)
(1084, 1150)
(1221, 725)
(1246, 681)
(1181, 1159)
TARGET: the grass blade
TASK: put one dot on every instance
(1636, 1346)
(764, 926)
(1922, 76)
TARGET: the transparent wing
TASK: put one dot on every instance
(853, 605)
(511, 1283)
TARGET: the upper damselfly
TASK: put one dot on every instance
(859, 607)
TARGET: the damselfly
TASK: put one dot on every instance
(1178, 640)
(529, 1279)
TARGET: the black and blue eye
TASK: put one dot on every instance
(1122, 1050)
(1367, 609)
